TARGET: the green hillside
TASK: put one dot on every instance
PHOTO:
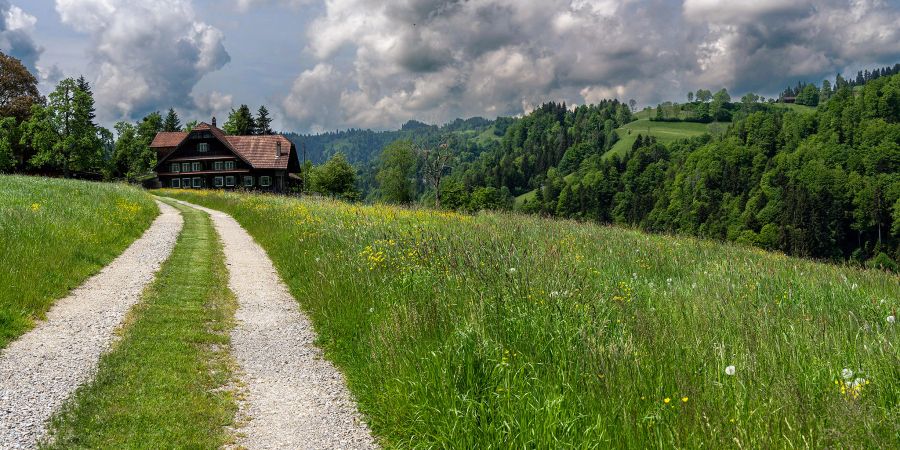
(510, 331)
(664, 132)
(55, 234)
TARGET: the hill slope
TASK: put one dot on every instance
(55, 234)
(500, 330)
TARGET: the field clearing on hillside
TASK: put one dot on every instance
(501, 330)
(55, 234)
(664, 132)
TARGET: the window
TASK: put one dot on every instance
(229, 165)
(202, 147)
(197, 166)
(248, 180)
(185, 183)
(217, 165)
(198, 182)
(175, 167)
(185, 167)
(218, 182)
(229, 180)
(176, 183)
(265, 181)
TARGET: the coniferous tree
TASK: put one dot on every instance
(62, 133)
(171, 122)
(263, 123)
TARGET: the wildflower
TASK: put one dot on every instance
(891, 319)
(371, 310)
(35, 207)
(512, 270)
(667, 400)
(847, 374)
(317, 259)
(684, 399)
(730, 370)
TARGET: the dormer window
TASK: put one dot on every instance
(203, 147)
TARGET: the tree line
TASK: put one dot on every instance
(59, 134)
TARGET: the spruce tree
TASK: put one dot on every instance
(263, 123)
(171, 122)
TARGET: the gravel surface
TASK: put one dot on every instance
(294, 397)
(44, 366)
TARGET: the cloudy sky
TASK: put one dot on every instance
(330, 64)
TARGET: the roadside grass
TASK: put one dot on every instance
(160, 386)
(55, 234)
(509, 331)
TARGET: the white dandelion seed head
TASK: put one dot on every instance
(891, 319)
(858, 382)
(371, 310)
(668, 280)
(846, 374)
(512, 270)
(554, 294)
(317, 259)
(730, 370)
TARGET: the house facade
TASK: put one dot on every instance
(206, 157)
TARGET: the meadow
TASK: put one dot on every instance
(664, 132)
(500, 330)
(55, 234)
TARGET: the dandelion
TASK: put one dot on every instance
(35, 207)
(730, 370)
(847, 374)
(684, 399)
(891, 319)
(667, 400)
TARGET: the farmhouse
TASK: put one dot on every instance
(206, 157)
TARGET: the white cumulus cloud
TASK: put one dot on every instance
(149, 54)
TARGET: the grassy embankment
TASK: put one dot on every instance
(499, 331)
(160, 386)
(55, 234)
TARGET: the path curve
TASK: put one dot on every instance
(42, 368)
(295, 398)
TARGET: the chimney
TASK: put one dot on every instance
(278, 149)
(214, 121)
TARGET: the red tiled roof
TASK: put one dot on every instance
(168, 139)
(260, 151)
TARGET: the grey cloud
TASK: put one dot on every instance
(441, 59)
(148, 64)
(15, 38)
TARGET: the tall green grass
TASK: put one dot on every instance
(503, 331)
(56, 233)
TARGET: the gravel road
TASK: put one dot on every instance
(43, 367)
(294, 397)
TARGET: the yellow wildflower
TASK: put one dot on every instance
(667, 400)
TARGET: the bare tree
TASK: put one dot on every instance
(434, 162)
